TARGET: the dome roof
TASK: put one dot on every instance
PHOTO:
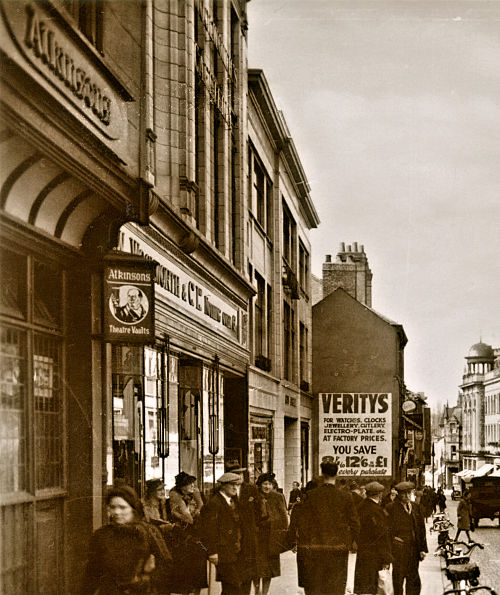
(481, 351)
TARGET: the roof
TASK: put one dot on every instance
(397, 326)
(481, 351)
(275, 120)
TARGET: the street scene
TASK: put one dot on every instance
(249, 288)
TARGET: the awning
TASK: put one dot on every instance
(484, 470)
(465, 473)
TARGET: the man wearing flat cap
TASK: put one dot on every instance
(408, 540)
(222, 536)
(253, 513)
(334, 526)
(374, 542)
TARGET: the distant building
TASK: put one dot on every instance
(450, 426)
(479, 373)
(357, 351)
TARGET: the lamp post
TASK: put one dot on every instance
(432, 452)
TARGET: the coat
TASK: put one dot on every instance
(118, 555)
(272, 536)
(221, 534)
(464, 514)
(408, 537)
(333, 525)
(374, 546)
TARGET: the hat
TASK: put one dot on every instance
(235, 469)
(374, 487)
(229, 478)
(405, 486)
(184, 479)
(154, 484)
(265, 477)
(127, 494)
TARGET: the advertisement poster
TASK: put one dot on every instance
(129, 301)
(355, 431)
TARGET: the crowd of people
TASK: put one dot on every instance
(161, 545)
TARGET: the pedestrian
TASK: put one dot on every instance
(127, 555)
(374, 542)
(334, 526)
(464, 515)
(441, 500)
(222, 535)
(189, 574)
(272, 535)
(408, 540)
(295, 495)
(357, 493)
(390, 496)
(154, 503)
(253, 513)
(299, 539)
(426, 503)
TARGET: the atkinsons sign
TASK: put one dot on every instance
(128, 300)
(355, 431)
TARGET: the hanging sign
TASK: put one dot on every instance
(355, 431)
(128, 300)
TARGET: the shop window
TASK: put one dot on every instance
(31, 425)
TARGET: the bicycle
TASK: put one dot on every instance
(460, 571)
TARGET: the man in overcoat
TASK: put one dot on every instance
(334, 528)
(221, 534)
(409, 543)
(374, 542)
(253, 513)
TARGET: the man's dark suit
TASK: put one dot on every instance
(408, 540)
(374, 546)
(334, 526)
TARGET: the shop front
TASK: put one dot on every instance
(179, 403)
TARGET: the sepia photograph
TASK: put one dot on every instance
(249, 297)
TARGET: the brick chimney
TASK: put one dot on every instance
(350, 271)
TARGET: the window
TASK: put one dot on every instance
(31, 430)
(288, 342)
(303, 268)
(289, 238)
(303, 354)
(88, 15)
(260, 196)
(262, 324)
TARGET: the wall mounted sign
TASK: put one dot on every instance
(408, 406)
(128, 292)
(355, 431)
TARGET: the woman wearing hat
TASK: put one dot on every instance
(190, 561)
(374, 541)
(155, 508)
(127, 555)
(272, 534)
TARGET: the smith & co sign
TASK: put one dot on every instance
(40, 39)
(128, 300)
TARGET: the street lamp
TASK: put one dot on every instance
(432, 452)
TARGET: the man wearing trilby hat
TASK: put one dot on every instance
(409, 543)
(374, 542)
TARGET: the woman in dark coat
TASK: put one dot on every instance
(272, 534)
(441, 500)
(299, 539)
(464, 515)
(374, 542)
(127, 555)
(190, 561)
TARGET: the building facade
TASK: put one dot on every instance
(450, 426)
(281, 215)
(155, 280)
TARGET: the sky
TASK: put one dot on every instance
(394, 107)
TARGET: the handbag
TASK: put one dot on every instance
(385, 586)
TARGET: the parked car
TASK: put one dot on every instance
(485, 498)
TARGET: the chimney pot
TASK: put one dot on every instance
(342, 246)
(349, 248)
(328, 258)
(355, 246)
